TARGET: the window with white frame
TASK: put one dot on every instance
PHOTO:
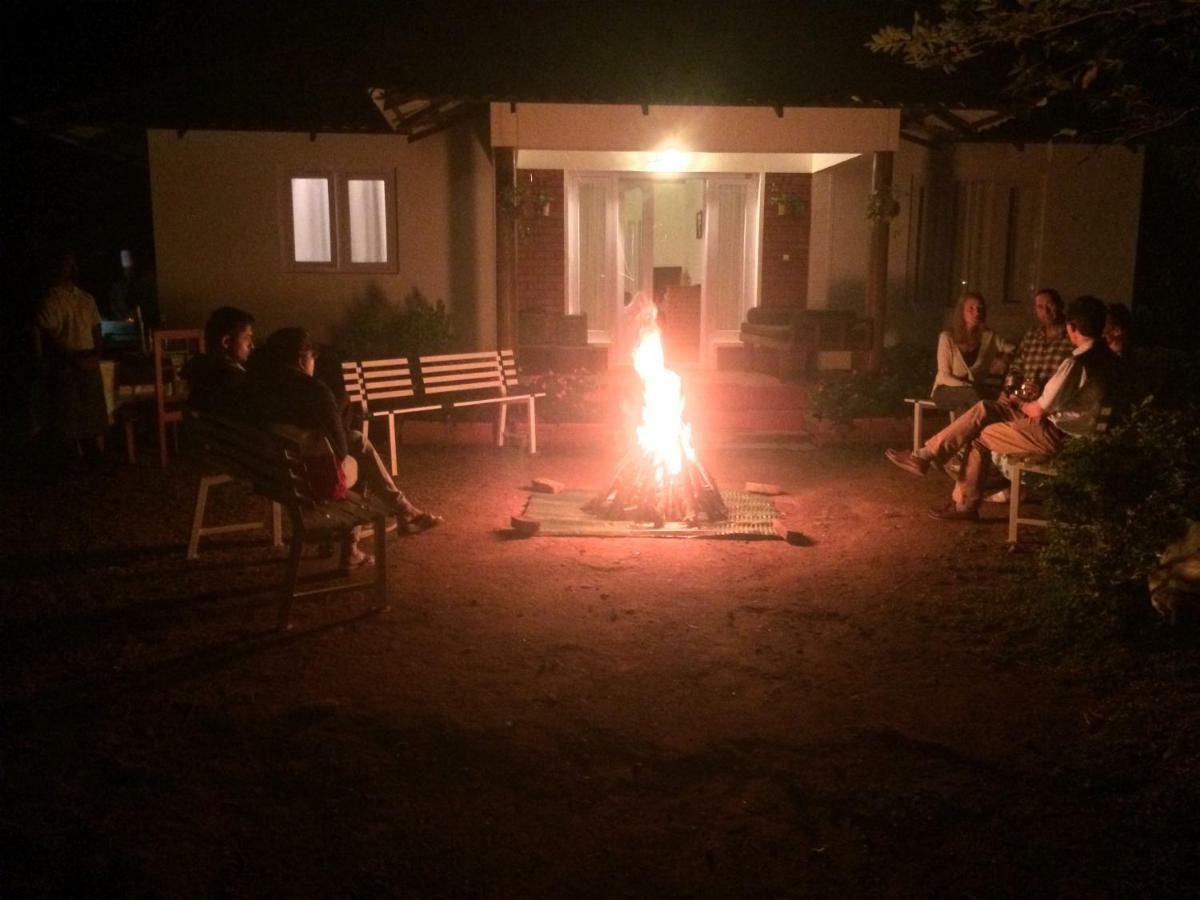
(339, 221)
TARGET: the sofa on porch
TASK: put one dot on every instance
(789, 342)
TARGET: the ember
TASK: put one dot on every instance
(661, 479)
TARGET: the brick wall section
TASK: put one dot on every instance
(785, 282)
(541, 258)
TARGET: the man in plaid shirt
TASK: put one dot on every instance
(1043, 347)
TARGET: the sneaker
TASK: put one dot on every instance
(1000, 496)
(357, 560)
(951, 513)
(907, 461)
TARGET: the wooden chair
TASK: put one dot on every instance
(171, 349)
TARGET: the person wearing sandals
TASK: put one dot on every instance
(281, 389)
(968, 352)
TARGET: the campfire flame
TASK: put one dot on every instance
(661, 479)
(663, 433)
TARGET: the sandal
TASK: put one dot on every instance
(418, 523)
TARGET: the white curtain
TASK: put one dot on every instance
(633, 278)
(726, 283)
(310, 220)
(595, 299)
(368, 220)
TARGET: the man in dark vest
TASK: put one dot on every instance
(1069, 406)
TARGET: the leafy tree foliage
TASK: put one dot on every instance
(1131, 68)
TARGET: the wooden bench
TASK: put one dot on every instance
(392, 388)
(275, 468)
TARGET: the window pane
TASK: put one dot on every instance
(310, 220)
(368, 220)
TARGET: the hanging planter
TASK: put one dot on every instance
(510, 198)
(882, 207)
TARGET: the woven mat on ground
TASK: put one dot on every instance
(563, 515)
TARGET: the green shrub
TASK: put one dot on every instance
(374, 327)
(1118, 500)
(569, 395)
(906, 371)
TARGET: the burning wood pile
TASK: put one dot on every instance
(660, 479)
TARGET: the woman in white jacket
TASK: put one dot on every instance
(968, 352)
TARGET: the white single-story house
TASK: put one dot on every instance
(557, 209)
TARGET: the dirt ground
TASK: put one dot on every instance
(574, 717)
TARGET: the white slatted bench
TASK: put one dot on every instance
(443, 382)
(1015, 468)
(463, 380)
(1038, 466)
(276, 469)
(384, 388)
(918, 429)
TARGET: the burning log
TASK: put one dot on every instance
(640, 492)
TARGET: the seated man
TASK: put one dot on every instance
(217, 377)
(1069, 406)
(281, 389)
(1043, 346)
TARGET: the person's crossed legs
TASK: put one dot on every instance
(1023, 437)
(374, 474)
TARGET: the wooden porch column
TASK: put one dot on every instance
(877, 257)
(506, 250)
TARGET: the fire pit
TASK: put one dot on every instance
(661, 479)
(660, 487)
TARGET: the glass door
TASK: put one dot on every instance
(689, 242)
(731, 217)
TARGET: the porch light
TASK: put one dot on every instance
(669, 160)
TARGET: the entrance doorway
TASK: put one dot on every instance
(690, 242)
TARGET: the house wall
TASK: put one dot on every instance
(785, 243)
(988, 217)
(839, 236)
(219, 225)
(1085, 204)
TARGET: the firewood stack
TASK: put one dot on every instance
(642, 491)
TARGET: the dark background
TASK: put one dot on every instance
(124, 65)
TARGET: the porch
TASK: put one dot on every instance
(721, 215)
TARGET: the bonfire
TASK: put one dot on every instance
(660, 479)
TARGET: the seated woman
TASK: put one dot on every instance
(281, 389)
(967, 353)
